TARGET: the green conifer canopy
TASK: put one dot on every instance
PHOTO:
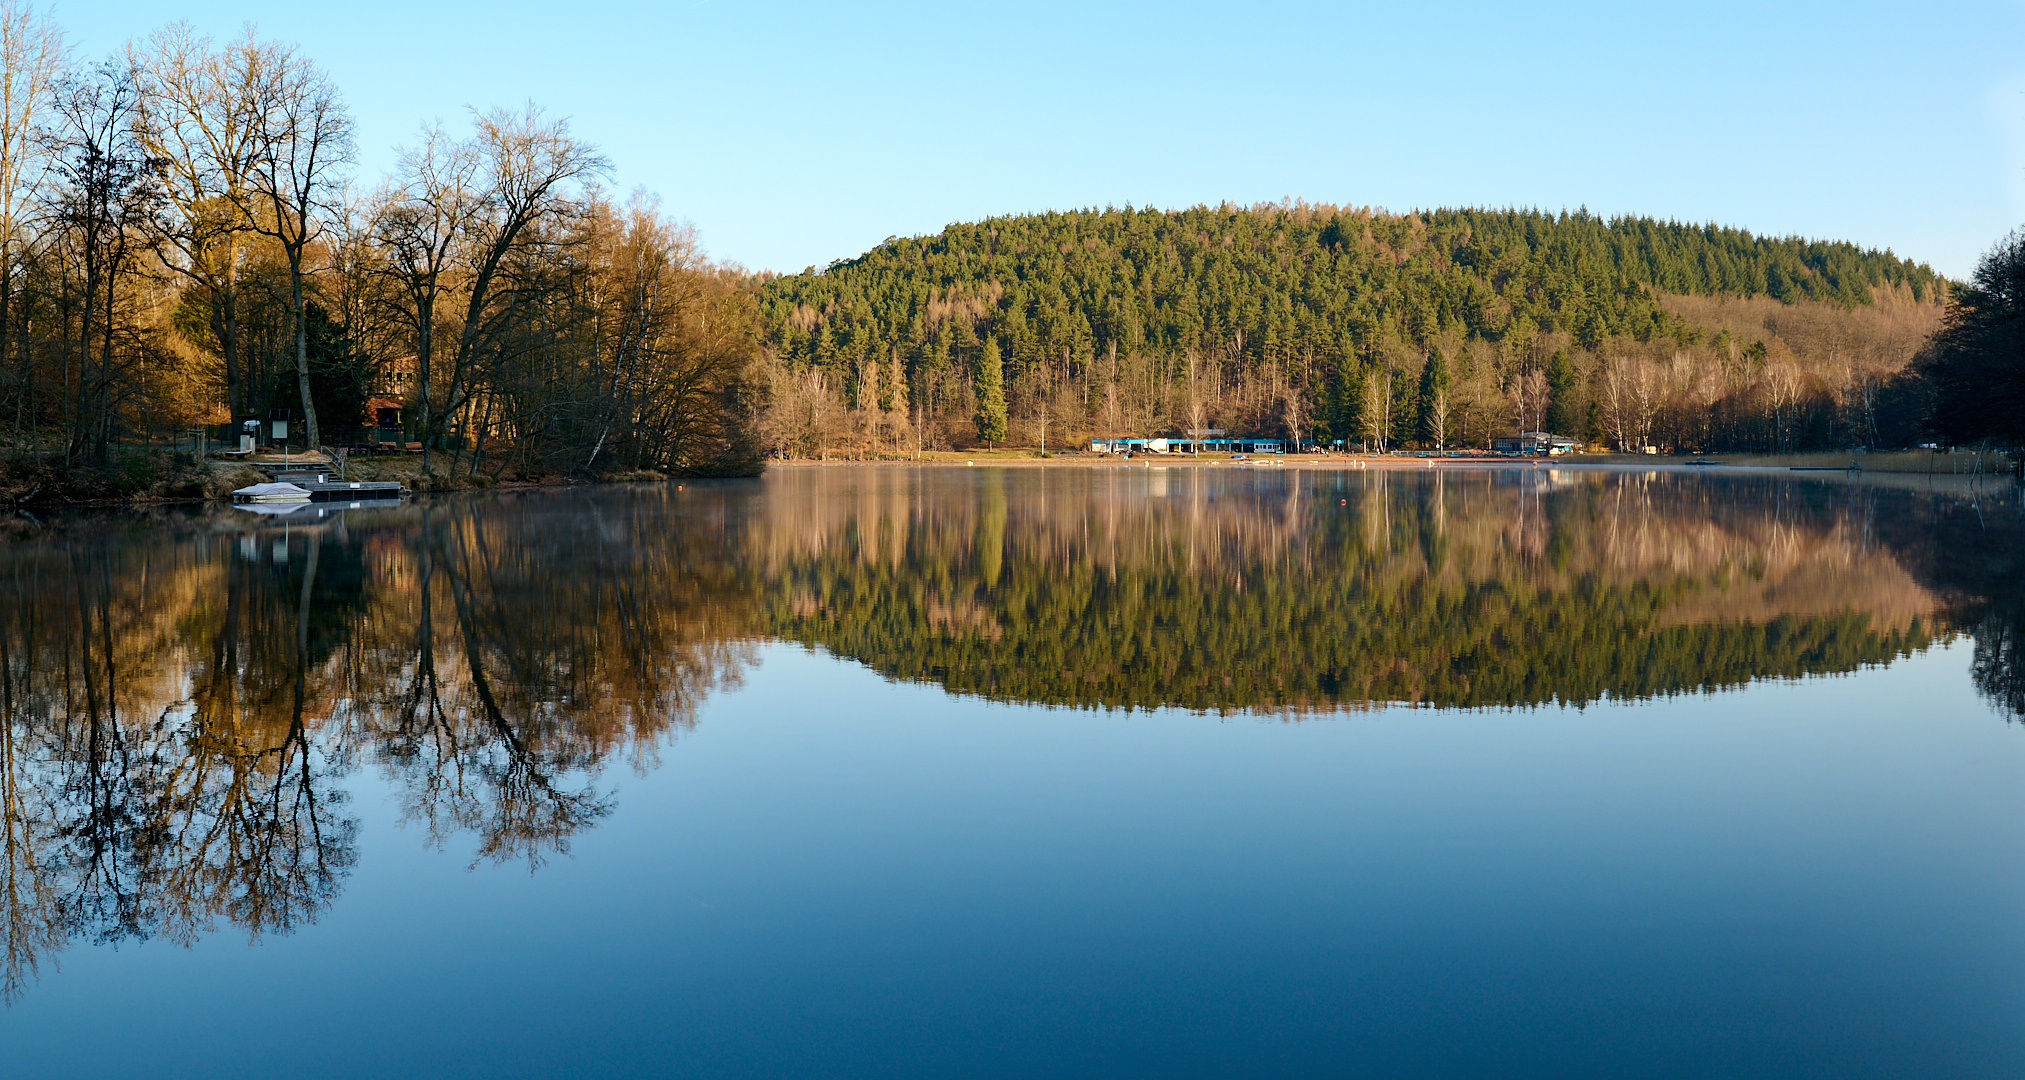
(1272, 282)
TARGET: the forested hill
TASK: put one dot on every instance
(1280, 282)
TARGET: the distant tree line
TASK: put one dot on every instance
(1316, 322)
(184, 241)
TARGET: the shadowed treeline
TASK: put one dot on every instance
(1971, 552)
(189, 699)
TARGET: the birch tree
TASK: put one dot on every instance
(32, 54)
(1782, 389)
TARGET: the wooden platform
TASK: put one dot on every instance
(353, 489)
(323, 487)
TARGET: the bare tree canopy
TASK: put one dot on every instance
(182, 247)
(302, 142)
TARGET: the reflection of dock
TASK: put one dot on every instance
(311, 496)
(305, 510)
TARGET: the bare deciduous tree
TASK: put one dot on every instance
(896, 397)
(302, 140)
(106, 202)
(1631, 397)
(199, 118)
(1294, 411)
(525, 166)
(420, 219)
(1783, 384)
(32, 54)
(1527, 393)
(1376, 415)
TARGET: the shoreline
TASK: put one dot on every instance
(1739, 465)
(1895, 463)
(212, 481)
(1952, 469)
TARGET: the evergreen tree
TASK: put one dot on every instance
(1292, 281)
(340, 376)
(1975, 367)
(1563, 411)
(1406, 409)
(1434, 403)
(1346, 402)
(990, 387)
(1269, 290)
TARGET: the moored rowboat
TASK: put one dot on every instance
(267, 493)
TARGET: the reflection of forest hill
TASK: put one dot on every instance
(183, 704)
(180, 711)
(1212, 590)
(1763, 561)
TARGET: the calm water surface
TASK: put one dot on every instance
(972, 772)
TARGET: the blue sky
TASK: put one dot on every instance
(792, 134)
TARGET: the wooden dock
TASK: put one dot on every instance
(323, 487)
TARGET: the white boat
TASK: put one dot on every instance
(271, 493)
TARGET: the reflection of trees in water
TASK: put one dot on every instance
(183, 705)
(140, 800)
(1218, 589)
(180, 715)
(1999, 665)
(1969, 548)
(513, 682)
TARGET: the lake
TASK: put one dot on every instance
(1036, 772)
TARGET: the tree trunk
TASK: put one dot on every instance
(79, 411)
(423, 330)
(6, 307)
(103, 442)
(302, 355)
(484, 425)
(225, 327)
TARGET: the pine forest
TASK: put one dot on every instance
(1430, 329)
